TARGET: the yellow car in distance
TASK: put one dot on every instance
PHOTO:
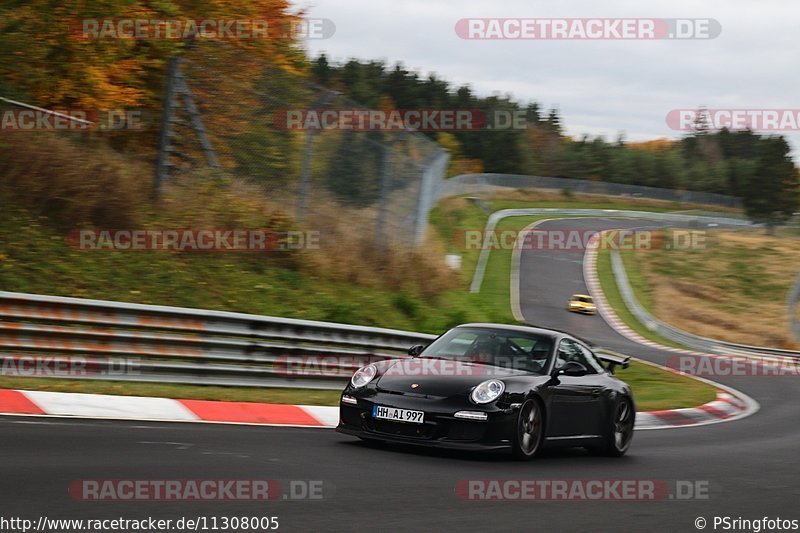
(582, 303)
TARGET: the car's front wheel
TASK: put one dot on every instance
(529, 430)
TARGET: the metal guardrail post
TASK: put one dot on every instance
(792, 299)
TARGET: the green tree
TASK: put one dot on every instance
(771, 194)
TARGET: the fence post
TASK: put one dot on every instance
(386, 172)
(166, 122)
(197, 120)
(308, 152)
(432, 176)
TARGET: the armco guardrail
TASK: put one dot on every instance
(674, 334)
(136, 342)
(478, 183)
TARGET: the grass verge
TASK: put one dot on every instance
(609, 286)
(732, 287)
(655, 389)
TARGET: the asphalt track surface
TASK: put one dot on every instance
(750, 466)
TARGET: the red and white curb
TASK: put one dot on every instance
(103, 406)
(69, 404)
(725, 407)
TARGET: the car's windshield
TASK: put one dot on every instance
(510, 349)
(586, 299)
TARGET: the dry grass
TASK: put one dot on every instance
(349, 253)
(735, 289)
(71, 182)
(347, 247)
(74, 184)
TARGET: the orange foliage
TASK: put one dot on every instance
(656, 145)
(44, 55)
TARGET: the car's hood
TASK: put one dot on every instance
(436, 377)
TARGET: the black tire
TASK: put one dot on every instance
(528, 431)
(620, 428)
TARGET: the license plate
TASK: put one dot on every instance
(397, 415)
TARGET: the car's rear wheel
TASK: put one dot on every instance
(620, 433)
(529, 430)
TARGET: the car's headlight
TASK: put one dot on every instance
(488, 391)
(363, 376)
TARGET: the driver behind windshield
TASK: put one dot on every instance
(521, 351)
(483, 351)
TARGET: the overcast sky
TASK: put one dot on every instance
(600, 87)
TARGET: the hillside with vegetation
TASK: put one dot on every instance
(52, 183)
(744, 164)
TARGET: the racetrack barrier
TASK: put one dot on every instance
(667, 331)
(39, 333)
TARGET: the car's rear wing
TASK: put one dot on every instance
(613, 359)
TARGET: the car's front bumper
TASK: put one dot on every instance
(440, 429)
(583, 310)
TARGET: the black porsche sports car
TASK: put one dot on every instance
(494, 387)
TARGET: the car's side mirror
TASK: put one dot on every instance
(416, 350)
(572, 368)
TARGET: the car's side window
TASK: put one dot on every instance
(569, 350)
(594, 366)
(566, 352)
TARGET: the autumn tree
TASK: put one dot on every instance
(45, 53)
